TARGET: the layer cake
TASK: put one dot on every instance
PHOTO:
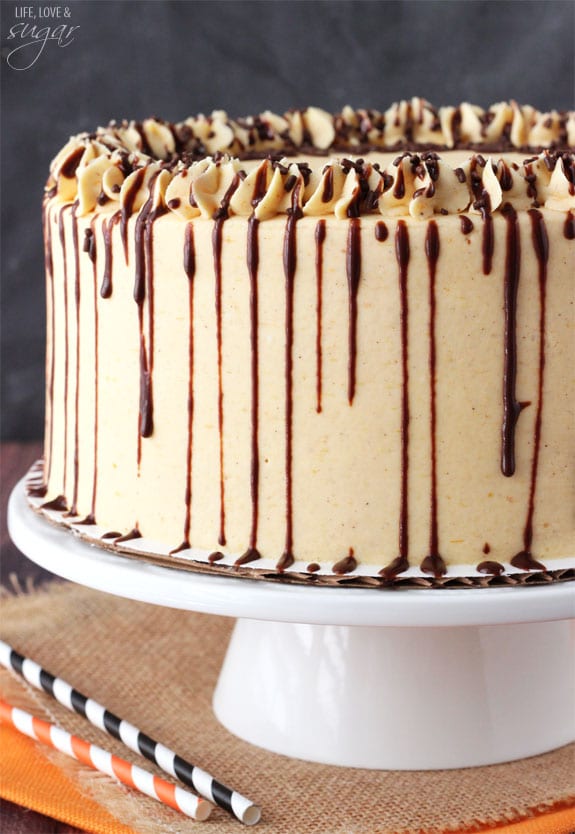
(327, 347)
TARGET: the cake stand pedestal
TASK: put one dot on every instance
(376, 678)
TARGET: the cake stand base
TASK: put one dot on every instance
(360, 677)
(400, 698)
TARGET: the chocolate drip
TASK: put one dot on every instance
(290, 182)
(487, 242)
(399, 188)
(289, 264)
(433, 563)
(220, 217)
(89, 243)
(541, 247)
(319, 241)
(217, 250)
(146, 425)
(107, 227)
(251, 555)
(505, 177)
(353, 267)
(327, 193)
(313, 567)
(482, 203)
(144, 291)
(381, 232)
(149, 248)
(466, 225)
(216, 556)
(47, 230)
(144, 144)
(133, 534)
(140, 252)
(399, 565)
(112, 534)
(128, 207)
(69, 167)
(525, 561)
(345, 565)
(402, 254)
(511, 408)
(486, 548)
(260, 186)
(142, 277)
(60, 504)
(285, 561)
(50, 363)
(75, 243)
(94, 259)
(491, 568)
(531, 180)
(185, 545)
(190, 271)
(66, 345)
(88, 521)
(569, 226)
(253, 257)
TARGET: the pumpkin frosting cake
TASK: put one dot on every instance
(317, 347)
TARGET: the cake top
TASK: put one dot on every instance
(266, 165)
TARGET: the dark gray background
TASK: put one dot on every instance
(134, 58)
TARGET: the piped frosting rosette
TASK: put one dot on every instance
(190, 166)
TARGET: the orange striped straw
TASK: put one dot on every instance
(104, 761)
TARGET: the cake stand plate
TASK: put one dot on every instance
(360, 677)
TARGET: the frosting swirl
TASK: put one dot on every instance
(190, 166)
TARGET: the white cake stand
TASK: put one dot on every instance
(376, 678)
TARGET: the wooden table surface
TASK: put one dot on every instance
(15, 569)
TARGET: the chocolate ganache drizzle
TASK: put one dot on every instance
(433, 563)
(50, 364)
(511, 408)
(289, 263)
(319, 243)
(91, 250)
(77, 294)
(402, 254)
(142, 287)
(107, 228)
(353, 267)
(524, 560)
(417, 184)
(62, 235)
(220, 216)
(189, 263)
(252, 554)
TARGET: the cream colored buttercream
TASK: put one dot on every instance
(349, 220)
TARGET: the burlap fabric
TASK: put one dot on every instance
(157, 667)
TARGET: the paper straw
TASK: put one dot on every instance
(192, 776)
(105, 762)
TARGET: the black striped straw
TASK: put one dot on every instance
(194, 777)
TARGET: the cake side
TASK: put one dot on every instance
(360, 366)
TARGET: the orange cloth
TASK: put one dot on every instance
(555, 822)
(28, 778)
